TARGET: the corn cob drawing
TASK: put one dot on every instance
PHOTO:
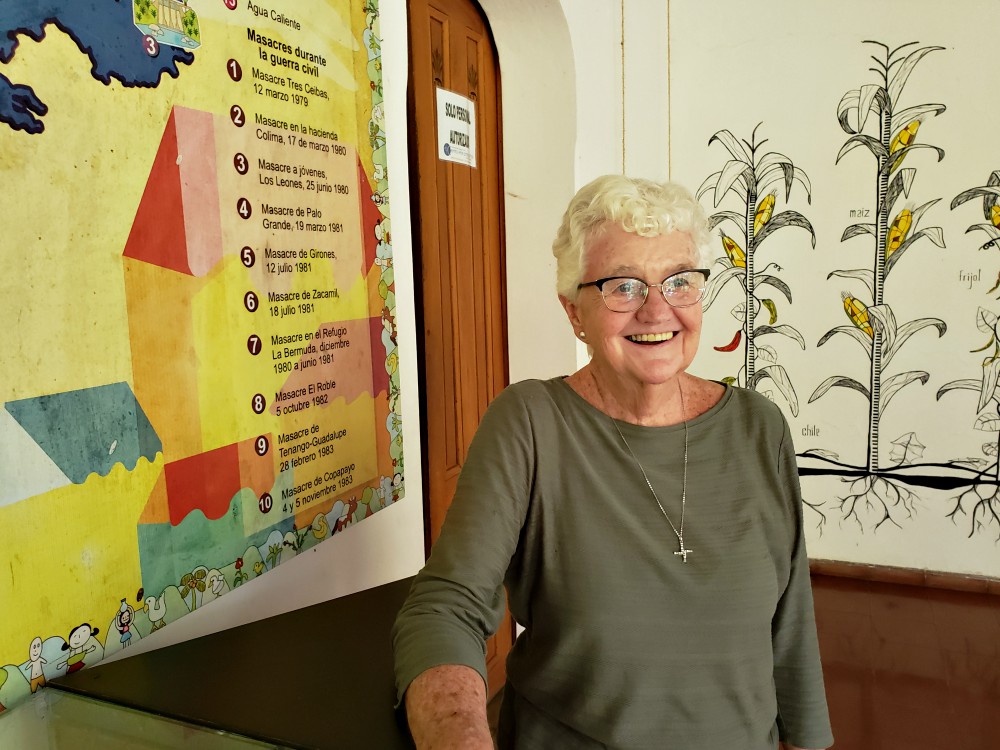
(995, 216)
(735, 253)
(857, 311)
(764, 211)
(898, 231)
(903, 139)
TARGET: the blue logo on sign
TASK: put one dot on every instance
(447, 149)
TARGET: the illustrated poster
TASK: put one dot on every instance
(199, 379)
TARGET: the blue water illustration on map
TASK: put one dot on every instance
(103, 30)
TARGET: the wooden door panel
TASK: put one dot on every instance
(459, 248)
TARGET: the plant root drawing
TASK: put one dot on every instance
(877, 498)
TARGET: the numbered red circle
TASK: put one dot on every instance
(261, 445)
(231, 4)
(234, 69)
(265, 503)
(151, 46)
(243, 208)
(241, 164)
(253, 344)
(237, 116)
(248, 257)
(258, 403)
(250, 301)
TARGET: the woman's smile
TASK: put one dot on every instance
(647, 339)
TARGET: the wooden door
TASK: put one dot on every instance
(458, 245)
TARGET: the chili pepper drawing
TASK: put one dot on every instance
(731, 346)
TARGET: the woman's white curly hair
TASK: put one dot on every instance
(643, 207)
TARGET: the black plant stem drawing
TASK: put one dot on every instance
(882, 219)
(751, 299)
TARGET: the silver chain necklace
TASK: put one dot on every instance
(683, 551)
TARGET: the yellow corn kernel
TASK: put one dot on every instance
(898, 231)
(995, 216)
(764, 211)
(858, 313)
(735, 253)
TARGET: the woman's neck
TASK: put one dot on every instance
(653, 405)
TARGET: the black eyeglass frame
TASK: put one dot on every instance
(599, 283)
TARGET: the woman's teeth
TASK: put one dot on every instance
(650, 338)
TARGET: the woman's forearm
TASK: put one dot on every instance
(446, 709)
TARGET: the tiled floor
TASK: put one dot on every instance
(909, 667)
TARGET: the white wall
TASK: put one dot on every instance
(538, 107)
(646, 94)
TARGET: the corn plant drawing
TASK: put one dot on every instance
(984, 491)
(871, 322)
(749, 175)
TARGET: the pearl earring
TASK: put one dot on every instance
(583, 334)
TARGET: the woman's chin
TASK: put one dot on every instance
(659, 375)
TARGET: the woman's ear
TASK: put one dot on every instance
(573, 313)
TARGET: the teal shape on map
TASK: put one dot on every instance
(90, 430)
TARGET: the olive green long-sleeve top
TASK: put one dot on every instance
(625, 645)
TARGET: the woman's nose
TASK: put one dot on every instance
(656, 305)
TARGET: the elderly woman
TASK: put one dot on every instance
(647, 525)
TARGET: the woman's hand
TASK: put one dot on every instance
(446, 709)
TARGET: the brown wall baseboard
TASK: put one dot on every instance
(909, 576)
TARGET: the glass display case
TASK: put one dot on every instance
(58, 720)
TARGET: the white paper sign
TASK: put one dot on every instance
(456, 116)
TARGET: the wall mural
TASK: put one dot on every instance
(200, 379)
(874, 325)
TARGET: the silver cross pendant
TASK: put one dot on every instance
(684, 552)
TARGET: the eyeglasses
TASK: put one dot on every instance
(626, 294)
